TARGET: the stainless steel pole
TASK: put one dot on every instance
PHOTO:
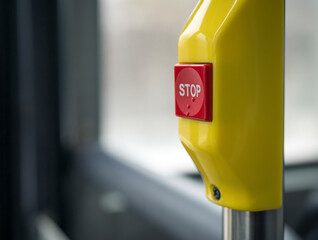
(242, 225)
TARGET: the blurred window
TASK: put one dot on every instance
(301, 81)
(139, 49)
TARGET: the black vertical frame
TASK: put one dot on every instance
(6, 139)
(49, 98)
(30, 150)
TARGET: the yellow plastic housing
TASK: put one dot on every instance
(241, 150)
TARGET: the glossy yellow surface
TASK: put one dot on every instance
(241, 150)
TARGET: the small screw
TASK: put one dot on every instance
(216, 193)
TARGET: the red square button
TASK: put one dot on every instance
(193, 91)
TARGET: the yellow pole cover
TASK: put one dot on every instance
(241, 150)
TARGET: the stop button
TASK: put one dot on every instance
(193, 91)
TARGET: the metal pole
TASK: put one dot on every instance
(242, 225)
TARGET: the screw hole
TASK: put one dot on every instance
(216, 193)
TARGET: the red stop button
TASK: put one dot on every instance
(193, 91)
